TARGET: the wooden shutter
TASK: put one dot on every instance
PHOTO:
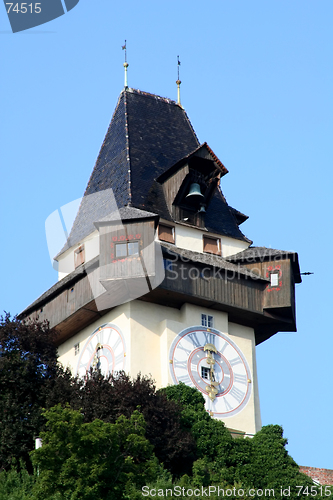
(79, 256)
(166, 233)
(211, 245)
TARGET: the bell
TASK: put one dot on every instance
(194, 193)
(202, 210)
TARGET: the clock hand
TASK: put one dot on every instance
(96, 357)
(212, 391)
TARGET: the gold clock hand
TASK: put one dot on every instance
(211, 389)
(96, 357)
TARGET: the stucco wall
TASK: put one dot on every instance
(149, 330)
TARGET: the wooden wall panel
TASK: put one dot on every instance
(275, 296)
(136, 265)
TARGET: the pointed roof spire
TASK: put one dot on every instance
(125, 64)
(178, 83)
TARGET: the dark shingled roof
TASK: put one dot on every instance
(210, 260)
(147, 135)
(255, 254)
(252, 254)
(240, 217)
(126, 214)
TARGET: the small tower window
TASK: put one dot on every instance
(274, 279)
(76, 349)
(166, 233)
(205, 372)
(126, 249)
(207, 320)
(212, 245)
(79, 256)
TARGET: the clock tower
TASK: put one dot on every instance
(156, 275)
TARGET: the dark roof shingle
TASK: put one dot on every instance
(147, 135)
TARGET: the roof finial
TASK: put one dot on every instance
(178, 84)
(125, 64)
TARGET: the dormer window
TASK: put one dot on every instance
(274, 279)
(166, 233)
(212, 245)
(127, 249)
(79, 256)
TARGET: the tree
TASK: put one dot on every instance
(92, 461)
(261, 462)
(271, 464)
(29, 379)
(107, 398)
(191, 401)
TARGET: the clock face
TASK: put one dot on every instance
(104, 349)
(210, 361)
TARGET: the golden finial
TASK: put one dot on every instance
(125, 63)
(178, 84)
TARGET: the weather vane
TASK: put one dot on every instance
(178, 82)
(125, 63)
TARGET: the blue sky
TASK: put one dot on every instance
(257, 86)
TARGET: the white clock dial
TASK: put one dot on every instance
(104, 349)
(210, 361)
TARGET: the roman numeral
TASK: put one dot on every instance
(194, 339)
(90, 348)
(224, 347)
(185, 379)
(108, 338)
(242, 379)
(235, 361)
(237, 394)
(180, 364)
(228, 406)
(187, 351)
(209, 338)
(118, 359)
(117, 343)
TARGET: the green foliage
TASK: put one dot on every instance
(31, 379)
(28, 375)
(271, 464)
(261, 462)
(16, 485)
(107, 398)
(100, 447)
(191, 401)
(92, 461)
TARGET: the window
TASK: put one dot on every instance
(166, 233)
(207, 320)
(76, 349)
(79, 256)
(126, 249)
(274, 279)
(205, 372)
(212, 245)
